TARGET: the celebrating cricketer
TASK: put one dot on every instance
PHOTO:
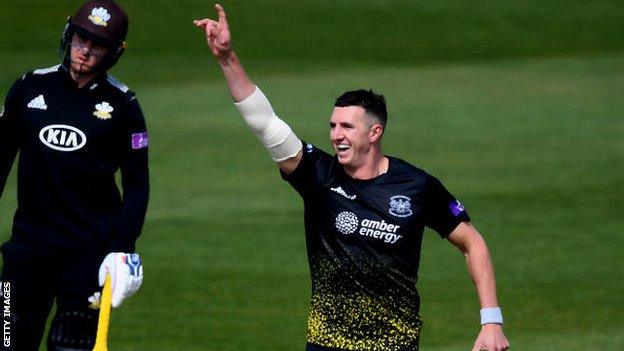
(365, 213)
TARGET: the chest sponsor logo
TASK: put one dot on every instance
(62, 137)
(348, 223)
(103, 110)
(456, 208)
(38, 103)
(341, 191)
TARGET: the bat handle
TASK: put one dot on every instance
(101, 339)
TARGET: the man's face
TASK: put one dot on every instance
(85, 55)
(352, 134)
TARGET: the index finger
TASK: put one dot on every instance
(221, 13)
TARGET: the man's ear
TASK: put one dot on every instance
(376, 131)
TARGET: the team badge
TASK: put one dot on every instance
(94, 301)
(99, 16)
(456, 208)
(400, 206)
(103, 110)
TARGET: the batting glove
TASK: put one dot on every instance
(126, 273)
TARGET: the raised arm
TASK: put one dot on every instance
(273, 133)
(481, 270)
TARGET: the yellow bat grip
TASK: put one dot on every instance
(101, 340)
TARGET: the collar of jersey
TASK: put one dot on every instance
(369, 180)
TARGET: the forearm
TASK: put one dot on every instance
(131, 219)
(471, 244)
(237, 80)
(491, 336)
(481, 272)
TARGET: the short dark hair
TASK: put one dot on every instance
(373, 104)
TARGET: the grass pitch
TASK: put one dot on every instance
(517, 108)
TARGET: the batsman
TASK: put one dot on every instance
(365, 213)
(74, 127)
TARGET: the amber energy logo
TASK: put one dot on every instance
(348, 223)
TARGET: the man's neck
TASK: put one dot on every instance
(81, 79)
(376, 166)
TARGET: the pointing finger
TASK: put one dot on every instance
(222, 17)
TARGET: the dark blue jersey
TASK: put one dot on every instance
(71, 142)
(363, 241)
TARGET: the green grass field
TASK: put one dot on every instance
(516, 107)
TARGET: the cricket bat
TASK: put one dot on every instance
(101, 339)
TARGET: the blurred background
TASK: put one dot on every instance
(516, 105)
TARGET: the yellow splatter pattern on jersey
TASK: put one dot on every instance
(347, 316)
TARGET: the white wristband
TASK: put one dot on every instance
(272, 132)
(491, 315)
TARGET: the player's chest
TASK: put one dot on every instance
(384, 215)
(67, 121)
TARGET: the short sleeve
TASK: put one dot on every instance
(315, 168)
(443, 212)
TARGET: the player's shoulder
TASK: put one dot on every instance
(37, 79)
(403, 168)
(43, 72)
(310, 150)
(40, 74)
(119, 88)
(404, 171)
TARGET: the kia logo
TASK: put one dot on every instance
(62, 138)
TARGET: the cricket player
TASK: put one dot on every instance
(365, 213)
(74, 127)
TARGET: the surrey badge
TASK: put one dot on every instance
(103, 110)
(94, 300)
(99, 16)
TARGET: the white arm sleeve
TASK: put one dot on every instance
(273, 133)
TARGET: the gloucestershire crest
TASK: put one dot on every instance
(103, 110)
(99, 16)
(400, 206)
